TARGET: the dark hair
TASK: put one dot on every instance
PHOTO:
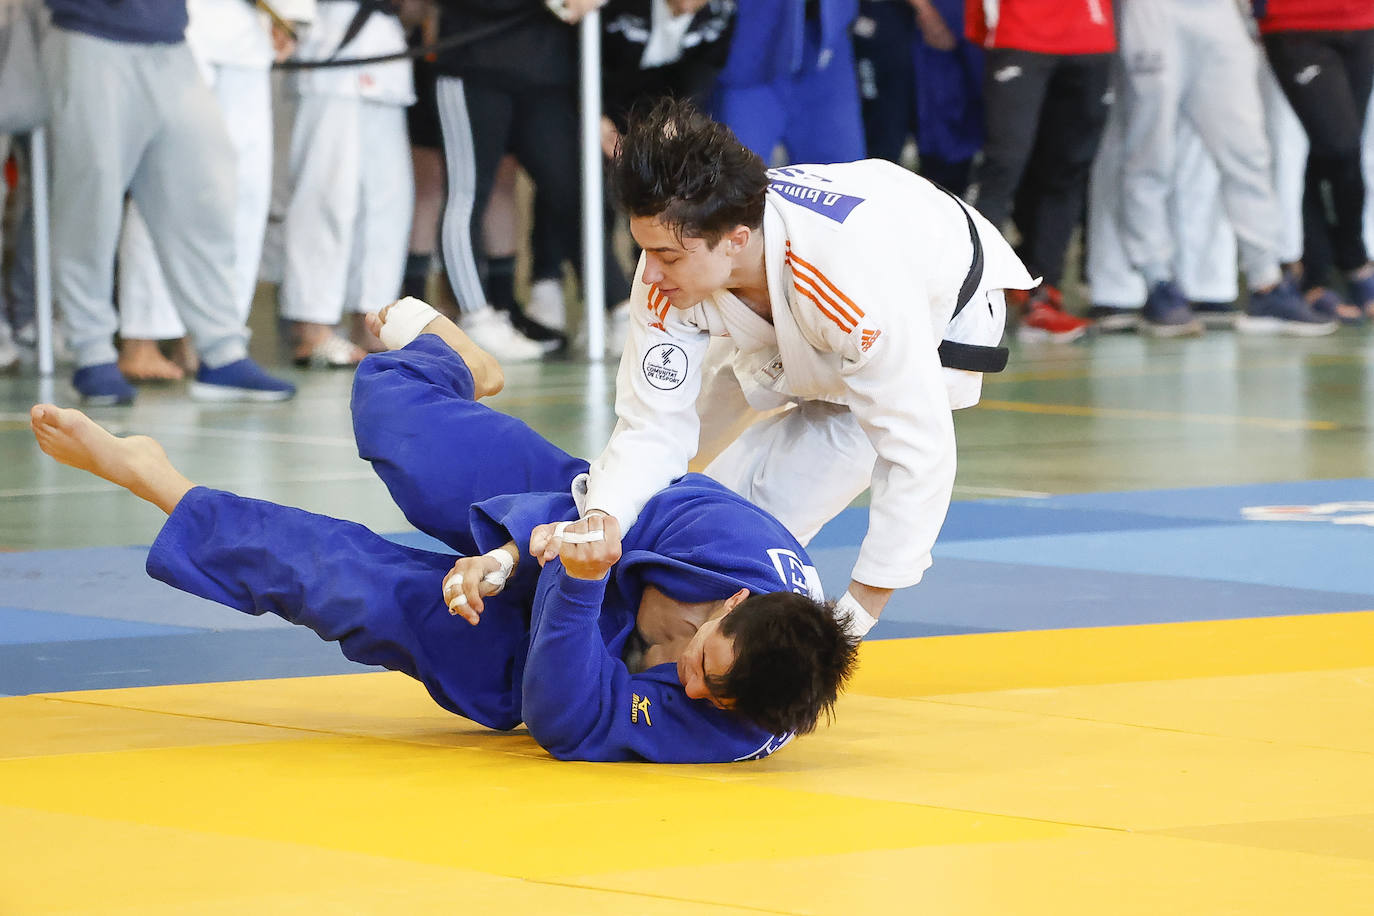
(792, 658)
(675, 163)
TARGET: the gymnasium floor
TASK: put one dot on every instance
(1138, 680)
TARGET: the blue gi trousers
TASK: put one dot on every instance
(438, 452)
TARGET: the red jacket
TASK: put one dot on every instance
(1044, 26)
(1317, 16)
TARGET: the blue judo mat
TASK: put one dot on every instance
(91, 618)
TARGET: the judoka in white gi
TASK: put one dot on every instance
(810, 307)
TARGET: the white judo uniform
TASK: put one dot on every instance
(845, 388)
(347, 225)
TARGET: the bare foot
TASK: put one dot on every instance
(320, 346)
(136, 463)
(487, 376)
(141, 361)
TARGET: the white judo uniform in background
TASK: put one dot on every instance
(347, 225)
(1205, 252)
(845, 387)
(232, 45)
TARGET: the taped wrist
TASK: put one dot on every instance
(859, 620)
(405, 319)
(498, 577)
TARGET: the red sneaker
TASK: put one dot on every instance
(1045, 319)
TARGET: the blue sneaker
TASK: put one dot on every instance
(102, 385)
(1282, 310)
(1166, 313)
(1362, 291)
(1112, 319)
(1215, 314)
(1328, 304)
(243, 380)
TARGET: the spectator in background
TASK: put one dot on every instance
(1193, 61)
(790, 80)
(919, 77)
(514, 91)
(130, 113)
(1322, 52)
(235, 45)
(1205, 253)
(348, 221)
(1046, 102)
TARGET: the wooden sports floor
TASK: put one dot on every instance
(1138, 680)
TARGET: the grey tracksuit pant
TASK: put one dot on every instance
(138, 118)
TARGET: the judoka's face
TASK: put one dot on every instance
(685, 269)
(709, 654)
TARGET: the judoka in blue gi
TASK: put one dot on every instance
(700, 644)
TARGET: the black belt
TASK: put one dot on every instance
(971, 357)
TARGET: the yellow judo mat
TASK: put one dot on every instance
(1208, 767)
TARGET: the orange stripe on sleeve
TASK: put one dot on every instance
(847, 328)
(854, 312)
(800, 277)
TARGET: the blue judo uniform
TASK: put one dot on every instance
(548, 648)
(790, 79)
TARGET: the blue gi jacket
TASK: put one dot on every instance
(770, 37)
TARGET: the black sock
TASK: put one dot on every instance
(416, 277)
(501, 282)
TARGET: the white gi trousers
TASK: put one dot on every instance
(1205, 254)
(1193, 61)
(145, 304)
(347, 226)
(139, 118)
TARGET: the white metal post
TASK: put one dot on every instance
(42, 262)
(593, 237)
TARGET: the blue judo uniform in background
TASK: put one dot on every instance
(548, 648)
(790, 79)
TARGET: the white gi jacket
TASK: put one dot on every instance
(865, 262)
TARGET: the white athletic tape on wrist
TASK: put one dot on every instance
(498, 577)
(575, 537)
(404, 321)
(860, 621)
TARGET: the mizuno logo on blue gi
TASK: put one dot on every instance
(830, 204)
(640, 706)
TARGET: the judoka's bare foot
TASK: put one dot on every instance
(141, 361)
(487, 376)
(136, 463)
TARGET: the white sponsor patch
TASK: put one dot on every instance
(1355, 512)
(799, 577)
(665, 366)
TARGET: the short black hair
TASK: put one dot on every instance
(675, 163)
(792, 658)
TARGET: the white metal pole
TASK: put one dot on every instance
(593, 238)
(42, 262)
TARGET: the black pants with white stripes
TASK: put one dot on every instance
(1327, 77)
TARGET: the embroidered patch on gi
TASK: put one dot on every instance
(868, 338)
(665, 366)
(639, 706)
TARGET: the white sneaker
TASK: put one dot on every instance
(492, 331)
(546, 304)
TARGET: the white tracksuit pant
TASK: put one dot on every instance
(1205, 254)
(145, 304)
(1193, 61)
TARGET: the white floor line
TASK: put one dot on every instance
(998, 492)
